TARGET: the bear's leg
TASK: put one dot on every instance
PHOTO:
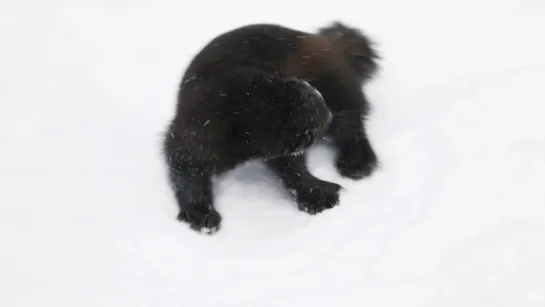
(355, 156)
(313, 195)
(192, 185)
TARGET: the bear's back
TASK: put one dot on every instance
(262, 46)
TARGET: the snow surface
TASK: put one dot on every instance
(455, 216)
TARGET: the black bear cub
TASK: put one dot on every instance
(268, 92)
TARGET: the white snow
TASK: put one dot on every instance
(455, 216)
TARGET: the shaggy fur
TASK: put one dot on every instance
(268, 92)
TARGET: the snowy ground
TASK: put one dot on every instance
(455, 216)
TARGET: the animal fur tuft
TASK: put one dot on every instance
(358, 49)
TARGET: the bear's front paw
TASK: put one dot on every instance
(318, 196)
(201, 217)
(356, 159)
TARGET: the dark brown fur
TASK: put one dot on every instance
(268, 92)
